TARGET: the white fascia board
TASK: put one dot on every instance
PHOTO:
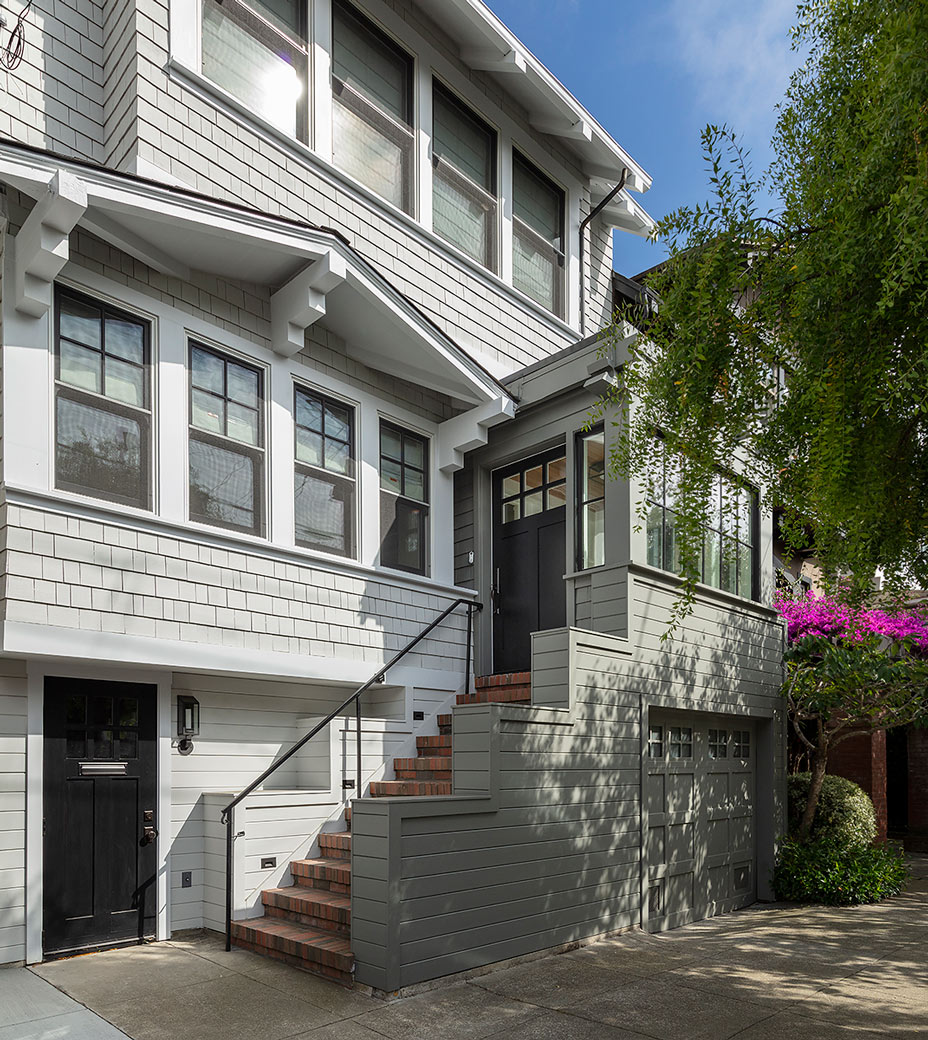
(495, 36)
(111, 194)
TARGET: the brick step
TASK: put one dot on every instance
(423, 764)
(483, 682)
(424, 774)
(444, 725)
(321, 953)
(409, 788)
(335, 844)
(428, 747)
(498, 695)
(324, 911)
(326, 874)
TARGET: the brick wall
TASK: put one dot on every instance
(863, 760)
(918, 781)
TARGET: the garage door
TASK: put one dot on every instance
(699, 797)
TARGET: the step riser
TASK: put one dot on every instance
(338, 846)
(329, 963)
(430, 762)
(328, 879)
(344, 978)
(341, 928)
(409, 788)
(430, 775)
(483, 682)
(517, 695)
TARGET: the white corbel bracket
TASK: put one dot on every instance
(487, 60)
(41, 247)
(301, 302)
(468, 431)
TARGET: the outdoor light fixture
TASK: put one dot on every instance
(188, 723)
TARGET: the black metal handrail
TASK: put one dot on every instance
(228, 813)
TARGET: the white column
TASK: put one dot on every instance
(279, 453)
(320, 78)
(424, 92)
(171, 419)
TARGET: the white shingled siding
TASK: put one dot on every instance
(13, 717)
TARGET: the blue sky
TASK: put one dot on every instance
(654, 72)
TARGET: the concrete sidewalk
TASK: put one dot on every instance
(766, 973)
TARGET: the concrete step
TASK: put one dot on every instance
(324, 911)
(320, 952)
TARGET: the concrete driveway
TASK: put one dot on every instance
(766, 973)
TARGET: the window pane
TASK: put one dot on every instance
(125, 382)
(324, 514)
(594, 534)
(337, 422)
(557, 496)
(533, 477)
(745, 571)
(370, 148)
(533, 503)
(535, 269)
(207, 371)
(337, 457)
(76, 710)
(655, 536)
(391, 443)
(251, 62)
(127, 745)
(244, 386)
(593, 463)
(413, 451)
(128, 714)
(402, 525)
(208, 412)
(511, 486)
(102, 741)
(712, 574)
(374, 67)
(80, 321)
(511, 510)
(745, 517)
(463, 217)
(222, 486)
(729, 566)
(80, 367)
(309, 447)
(242, 424)
(671, 546)
(415, 485)
(557, 470)
(100, 452)
(536, 201)
(391, 476)
(463, 140)
(125, 339)
(309, 412)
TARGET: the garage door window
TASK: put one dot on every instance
(656, 742)
(741, 743)
(681, 742)
(718, 743)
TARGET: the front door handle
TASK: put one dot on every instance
(148, 835)
(494, 593)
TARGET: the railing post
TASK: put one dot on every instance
(357, 716)
(470, 630)
(230, 829)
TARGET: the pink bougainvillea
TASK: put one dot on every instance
(813, 615)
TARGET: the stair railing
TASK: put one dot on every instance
(227, 816)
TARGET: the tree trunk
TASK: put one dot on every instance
(819, 764)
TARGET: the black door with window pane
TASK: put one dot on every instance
(529, 553)
(100, 819)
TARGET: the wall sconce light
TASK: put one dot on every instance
(188, 722)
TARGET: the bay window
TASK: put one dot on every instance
(404, 498)
(256, 50)
(325, 473)
(464, 203)
(537, 235)
(372, 135)
(226, 441)
(102, 401)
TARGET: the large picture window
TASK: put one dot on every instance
(537, 236)
(729, 551)
(464, 183)
(372, 137)
(226, 441)
(325, 473)
(404, 498)
(256, 50)
(102, 401)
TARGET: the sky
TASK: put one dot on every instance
(655, 72)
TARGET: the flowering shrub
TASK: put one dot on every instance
(829, 618)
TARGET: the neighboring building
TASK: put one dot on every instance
(293, 359)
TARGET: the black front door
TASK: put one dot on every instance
(529, 553)
(100, 814)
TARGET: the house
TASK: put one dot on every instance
(299, 305)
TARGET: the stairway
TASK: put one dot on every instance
(308, 924)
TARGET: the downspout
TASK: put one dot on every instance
(583, 224)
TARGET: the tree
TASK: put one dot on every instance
(830, 288)
(850, 671)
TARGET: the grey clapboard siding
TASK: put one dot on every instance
(541, 842)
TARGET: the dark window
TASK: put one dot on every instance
(257, 52)
(325, 473)
(372, 138)
(226, 441)
(102, 401)
(729, 554)
(534, 490)
(537, 235)
(591, 499)
(404, 497)
(464, 184)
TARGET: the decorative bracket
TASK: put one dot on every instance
(301, 302)
(468, 431)
(41, 247)
(487, 60)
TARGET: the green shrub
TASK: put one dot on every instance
(844, 814)
(819, 871)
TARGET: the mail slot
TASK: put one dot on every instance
(103, 768)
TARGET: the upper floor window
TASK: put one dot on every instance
(325, 494)
(257, 52)
(729, 552)
(404, 498)
(226, 451)
(591, 500)
(372, 137)
(464, 201)
(102, 401)
(537, 236)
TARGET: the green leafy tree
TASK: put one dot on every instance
(796, 340)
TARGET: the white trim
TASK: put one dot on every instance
(36, 672)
